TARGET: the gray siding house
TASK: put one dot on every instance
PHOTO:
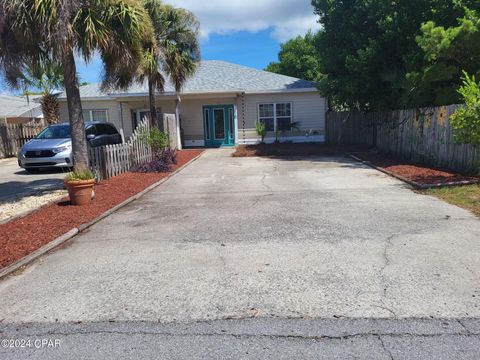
(219, 106)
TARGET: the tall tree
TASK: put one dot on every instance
(298, 57)
(47, 77)
(175, 53)
(368, 47)
(34, 30)
(447, 52)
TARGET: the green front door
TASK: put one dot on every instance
(219, 125)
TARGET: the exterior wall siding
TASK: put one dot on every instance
(191, 116)
(309, 109)
(128, 107)
(113, 110)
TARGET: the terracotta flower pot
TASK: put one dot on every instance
(80, 191)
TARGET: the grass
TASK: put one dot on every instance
(467, 197)
(80, 175)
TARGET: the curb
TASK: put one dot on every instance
(37, 253)
(414, 184)
(75, 231)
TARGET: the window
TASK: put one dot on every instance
(284, 117)
(276, 117)
(105, 129)
(95, 115)
(266, 115)
(219, 123)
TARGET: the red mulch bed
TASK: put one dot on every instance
(285, 149)
(22, 236)
(420, 174)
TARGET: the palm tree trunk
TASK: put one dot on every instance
(153, 108)
(50, 108)
(77, 124)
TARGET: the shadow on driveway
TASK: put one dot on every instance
(18, 183)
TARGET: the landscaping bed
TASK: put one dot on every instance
(22, 236)
(418, 175)
(290, 149)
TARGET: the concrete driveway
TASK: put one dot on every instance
(260, 258)
(16, 183)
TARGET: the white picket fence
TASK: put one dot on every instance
(112, 160)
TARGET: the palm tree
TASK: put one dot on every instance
(47, 77)
(34, 30)
(176, 51)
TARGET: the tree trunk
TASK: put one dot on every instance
(50, 109)
(153, 108)
(77, 124)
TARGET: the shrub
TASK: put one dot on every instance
(261, 130)
(162, 162)
(155, 138)
(466, 120)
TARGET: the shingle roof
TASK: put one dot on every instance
(215, 76)
(17, 106)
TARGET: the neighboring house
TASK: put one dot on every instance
(20, 109)
(219, 106)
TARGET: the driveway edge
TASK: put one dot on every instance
(414, 184)
(78, 230)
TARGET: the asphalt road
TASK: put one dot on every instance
(16, 182)
(257, 259)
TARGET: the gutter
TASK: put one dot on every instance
(213, 92)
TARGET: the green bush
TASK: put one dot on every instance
(466, 120)
(155, 138)
(261, 130)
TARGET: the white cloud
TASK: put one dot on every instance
(287, 18)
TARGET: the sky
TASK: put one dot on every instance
(246, 32)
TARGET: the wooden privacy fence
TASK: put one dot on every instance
(112, 160)
(422, 136)
(13, 137)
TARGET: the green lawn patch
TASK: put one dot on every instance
(467, 197)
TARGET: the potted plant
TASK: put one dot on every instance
(80, 187)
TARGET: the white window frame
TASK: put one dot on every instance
(90, 113)
(275, 127)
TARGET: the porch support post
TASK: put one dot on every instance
(120, 113)
(177, 117)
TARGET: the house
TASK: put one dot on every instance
(219, 106)
(20, 109)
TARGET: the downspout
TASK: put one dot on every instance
(177, 117)
(235, 116)
(243, 116)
